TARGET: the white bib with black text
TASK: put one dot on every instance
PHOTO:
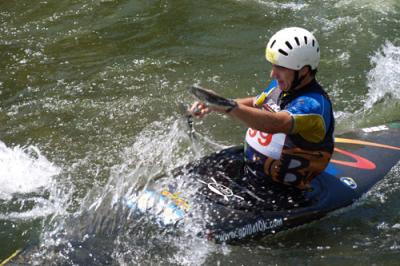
(270, 145)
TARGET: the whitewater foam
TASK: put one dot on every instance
(383, 7)
(24, 170)
(277, 5)
(384, 78)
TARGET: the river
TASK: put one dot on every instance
(91, 99)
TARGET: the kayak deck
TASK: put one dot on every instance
(239, 205)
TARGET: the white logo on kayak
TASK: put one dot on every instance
(220, 189)
(250, 229)
(375, 129)
(348, 181)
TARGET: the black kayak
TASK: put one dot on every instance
(237, 206)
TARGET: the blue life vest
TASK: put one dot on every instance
(295, 158)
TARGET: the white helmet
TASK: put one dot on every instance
(293, 48)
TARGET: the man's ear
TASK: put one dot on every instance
(304, 70)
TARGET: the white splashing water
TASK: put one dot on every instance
(158, 149)
(384, 7)
(24, 170)
(295, 6)
(162, 147)
(384, 78)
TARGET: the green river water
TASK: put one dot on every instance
(91, 97)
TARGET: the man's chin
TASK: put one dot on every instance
(283, 88)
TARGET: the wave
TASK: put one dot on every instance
(104, 229)
(384, 78)
(277, 5)
(24, 170)
(384, 7)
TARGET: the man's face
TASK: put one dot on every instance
(284, 76)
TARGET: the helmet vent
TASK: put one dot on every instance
(318, 50)
(305, 39)
(289, 45)
(297, 41)
(313, 43)
(282, 52)
(272, 44)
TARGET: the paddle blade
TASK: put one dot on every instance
(210, 97)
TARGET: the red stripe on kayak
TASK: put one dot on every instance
(360, 163)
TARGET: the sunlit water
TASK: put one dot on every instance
(91, 111)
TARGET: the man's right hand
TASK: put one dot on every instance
(199, 109)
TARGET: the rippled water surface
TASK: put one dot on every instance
(92, 94)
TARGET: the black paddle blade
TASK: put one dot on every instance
(210, 97)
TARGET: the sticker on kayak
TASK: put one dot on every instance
(164, 207)
(348, 181)
(176, 198)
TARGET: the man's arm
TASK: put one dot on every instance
(262, 120)
(246, 101)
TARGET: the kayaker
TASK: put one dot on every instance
(291, 123)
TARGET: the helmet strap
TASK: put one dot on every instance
(296, 80)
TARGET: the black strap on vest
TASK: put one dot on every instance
(285, 98)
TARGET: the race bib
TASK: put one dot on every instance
(270, 145)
